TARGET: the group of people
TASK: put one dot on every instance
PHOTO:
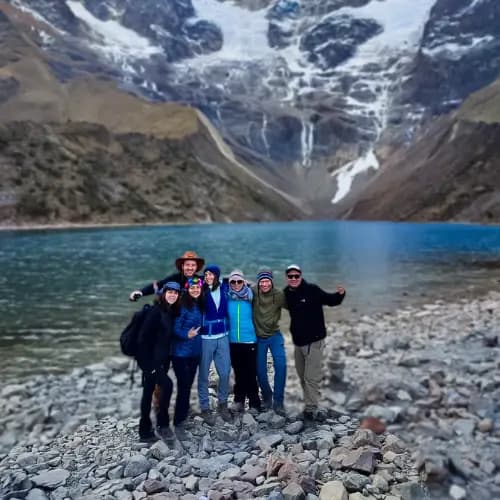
(198, 319)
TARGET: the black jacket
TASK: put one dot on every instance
(177, 277)
(155, 339)
(305, 305)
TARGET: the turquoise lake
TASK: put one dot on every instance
(64, 293)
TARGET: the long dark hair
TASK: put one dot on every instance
(189, 302)
(164, 305)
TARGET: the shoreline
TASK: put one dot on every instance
(111, 225)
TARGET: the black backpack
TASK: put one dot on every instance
(130, 335)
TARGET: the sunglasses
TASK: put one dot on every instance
(236, 282)
(293, 276)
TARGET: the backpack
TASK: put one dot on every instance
(130, 335)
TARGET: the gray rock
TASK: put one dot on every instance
(51, 479)
(137, 465)
(411, 491)
(266, 489)
(294, 427)
(333, 490)
(37, 494)
(293, 491)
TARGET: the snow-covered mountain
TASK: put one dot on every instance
(310, 92)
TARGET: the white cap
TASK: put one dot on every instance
(293, 267)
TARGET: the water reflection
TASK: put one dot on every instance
(64, 293)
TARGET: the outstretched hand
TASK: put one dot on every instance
(340, 289)
(136, 294)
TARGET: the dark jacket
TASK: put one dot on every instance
(177, 277)
(155, 339)
(305, 304)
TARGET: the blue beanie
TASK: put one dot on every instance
(213, 269)
(265, 274)
(169, 285)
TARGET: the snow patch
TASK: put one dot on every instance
(455, 51)
(345, 175)
(117, 42)
(244, 32)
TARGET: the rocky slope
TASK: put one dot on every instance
(450, 173)
(83, 151)
(429, 375)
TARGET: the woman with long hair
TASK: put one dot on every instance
(186, 350)
(154, 343)
(214, 345)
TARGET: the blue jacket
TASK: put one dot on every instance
(241, 327)
(215, 320)
(183, 346)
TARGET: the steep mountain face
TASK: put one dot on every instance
(450, 173)
(82, 151)
(304, 89)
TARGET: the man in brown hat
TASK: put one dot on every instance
(188, 264)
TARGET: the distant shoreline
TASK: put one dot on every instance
(109, 225)
(96, 225)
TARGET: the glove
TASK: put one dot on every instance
(136, 294)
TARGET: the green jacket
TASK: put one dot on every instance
(267, 311)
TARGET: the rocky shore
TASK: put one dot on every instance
(430, 375)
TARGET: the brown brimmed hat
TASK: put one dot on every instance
(190, 255)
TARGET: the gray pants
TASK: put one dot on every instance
(308, 363)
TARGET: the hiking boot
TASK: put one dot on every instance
(180, 432)
(208, 417)
(320, 416)
(254, 410)
(267, 403)
(224, 412)
(237, 407)
(308, 416)
(166, 434)
(279, 409)
(147, 436)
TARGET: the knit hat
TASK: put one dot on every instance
(169, 285)
(215, 270)
(293, 267)
(265, 274)
(194, 281)
(236, 274)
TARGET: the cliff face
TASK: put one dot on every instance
(83, 151)
(451, 172)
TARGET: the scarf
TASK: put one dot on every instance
(244, 294)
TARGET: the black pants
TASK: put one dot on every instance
(185, 371)
(149, 380)
(244, 363)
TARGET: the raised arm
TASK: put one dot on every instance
(332, 299)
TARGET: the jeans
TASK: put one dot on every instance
(216, 350)
(185, 371)
(149, 381)
(275, 344)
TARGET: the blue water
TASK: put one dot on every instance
(63, 293)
